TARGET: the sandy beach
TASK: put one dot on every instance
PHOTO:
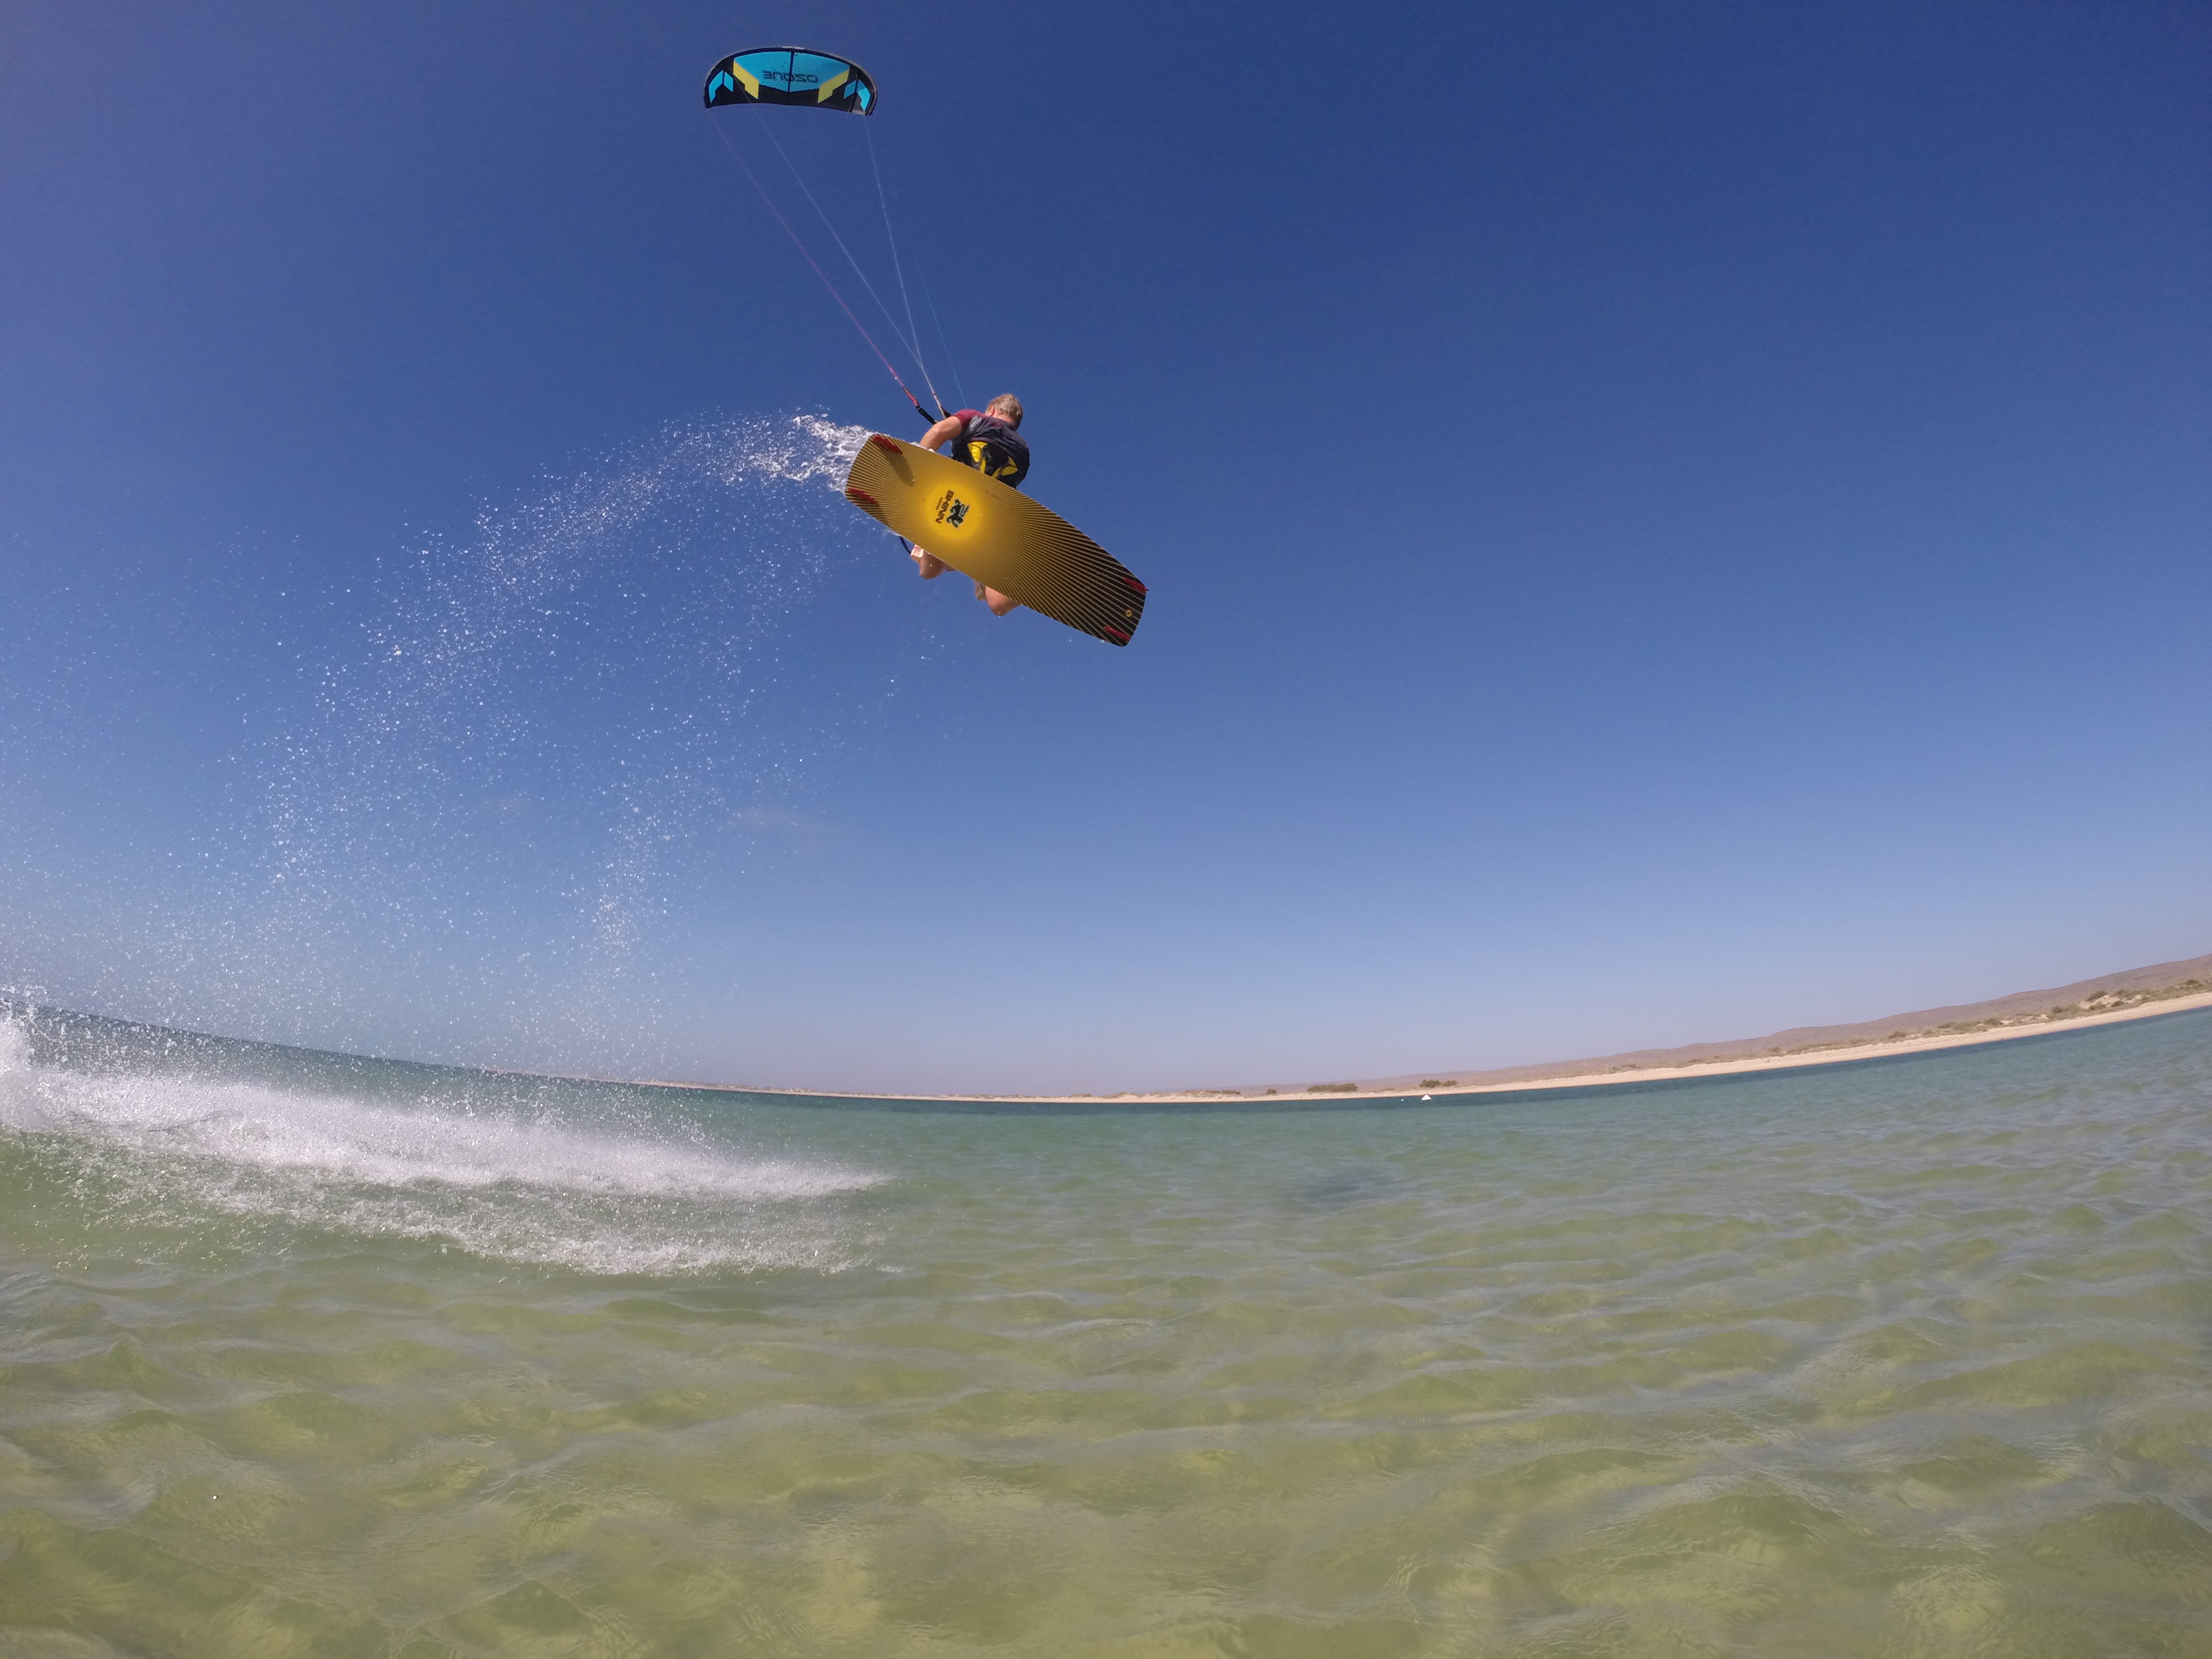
(1870, 1050)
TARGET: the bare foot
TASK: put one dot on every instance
(929, 564)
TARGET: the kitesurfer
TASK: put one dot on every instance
(988, 439)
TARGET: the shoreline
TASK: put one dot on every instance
(1612, 1072)
(1840, 1053)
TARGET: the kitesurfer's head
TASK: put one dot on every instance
(1007, 407)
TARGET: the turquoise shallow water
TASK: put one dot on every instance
(303, 1356)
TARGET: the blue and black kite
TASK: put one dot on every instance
(792, 74)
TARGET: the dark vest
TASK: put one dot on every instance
(992, 447)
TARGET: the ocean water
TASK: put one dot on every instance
(303, 1355)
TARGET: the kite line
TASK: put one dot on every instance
(806, 254)
(913, 329)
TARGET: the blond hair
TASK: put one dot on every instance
(1007, 407)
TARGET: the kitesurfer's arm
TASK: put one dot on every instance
(950, 427)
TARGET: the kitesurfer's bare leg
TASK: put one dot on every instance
(933, 567)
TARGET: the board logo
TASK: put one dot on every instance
(951, 510)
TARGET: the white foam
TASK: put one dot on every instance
(498, 1181)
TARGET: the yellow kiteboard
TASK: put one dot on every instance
(995, 534)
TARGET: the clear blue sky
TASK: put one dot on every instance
(1663, 523)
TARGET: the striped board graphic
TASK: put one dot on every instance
(998, 536)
